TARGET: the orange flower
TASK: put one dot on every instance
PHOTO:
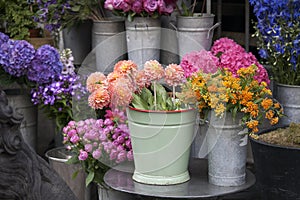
(270, 114)
(277, 105)
(246, 97)
(267, 103)
(99, 98)
(252, 124)
(252, 108)
(125, 67)
(274, 120)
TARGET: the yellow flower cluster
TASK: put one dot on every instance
(223, 92)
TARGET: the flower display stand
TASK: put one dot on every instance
(198, 187)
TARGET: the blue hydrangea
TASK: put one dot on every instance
(45, 66)
(17, 58)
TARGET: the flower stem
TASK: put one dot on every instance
(154, 86)
(173, 94)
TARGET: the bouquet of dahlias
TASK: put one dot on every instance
(278, 33)
(99, 144)
(141, 8)
(223, 91)
(141, 89)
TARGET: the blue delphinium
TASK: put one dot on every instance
(278, 33)
(45, 66)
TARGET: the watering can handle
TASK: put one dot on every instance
(212, 28)
(174, 26)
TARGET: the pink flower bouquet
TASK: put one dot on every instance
(143, 89)
(99, 144)
(142, 8)
(224, 54)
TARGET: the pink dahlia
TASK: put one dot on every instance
(95, 81)
(99, 98)
(121, 93)
(174, 75)
(153, 70)
(125, 67)
(141, 80)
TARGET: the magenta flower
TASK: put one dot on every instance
(83, 155)
(122, 156)
(74, 139)
(164, 8)
(130, 155)
(150, 6)
(137, 6)
(88, 147)
(97, 154)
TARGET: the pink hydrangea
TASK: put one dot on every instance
(196, 60)
(232, 56)
(174, 75)
(225, 44)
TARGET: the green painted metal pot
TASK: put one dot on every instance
(161, 143)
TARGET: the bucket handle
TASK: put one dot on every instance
(212, 28)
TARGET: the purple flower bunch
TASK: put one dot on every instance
(99, 142)
(51, 13)
(15, 55)
(18, 58)
(143, 8)
(46, 65)
(278, 34)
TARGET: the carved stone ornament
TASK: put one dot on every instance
(24, 175)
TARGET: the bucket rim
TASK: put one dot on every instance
(160, 111)
(55, 158)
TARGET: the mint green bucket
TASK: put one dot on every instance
(161, 143)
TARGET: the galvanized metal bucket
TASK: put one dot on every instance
(161, 143)
(195, 33)
(57, 159)
(20, 100)
(169, 46)
(143, 40)
(227, 150)
(78, 39)
(289, 97)
(109, 43)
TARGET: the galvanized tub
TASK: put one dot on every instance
(143, 36)
(227, 150)
(161, 143)
(109, 43)
(57, 159)
(289, 97)
(78, 39)
(195, 32)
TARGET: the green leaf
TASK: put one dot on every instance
(147, 96)
(73, 160)
(74, 175)
(89, 178)
(138, 102)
